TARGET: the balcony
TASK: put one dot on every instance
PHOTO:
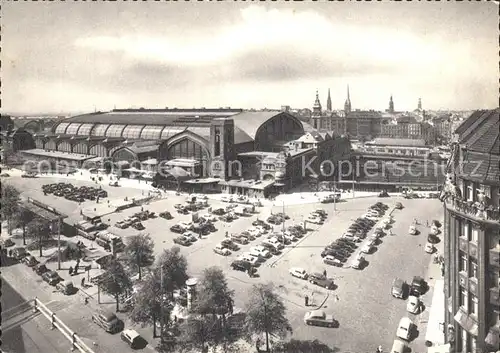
(494, 296)
(473, 210)
(495, 257)
(463, 244)
(473, 249)
(463, 279)
(473, 286)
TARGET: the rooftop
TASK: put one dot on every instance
(58, 154)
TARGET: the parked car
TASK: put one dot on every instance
(332, 261)
(298, 272)
(315, 219)
(413, 305)
(367, 248)
(358, 262)
(230, 245)
(320, 280)
(404, 329)
(131, 337)
(138, 226)
(166, 215)
(398, 347)
(398, 206)
(107, 320)
(412, 230)
(429, 248)
(40, 269)
(219, 249)
(260, 251)
(248, 257)
(6, 243)
(51, 277)
(182, 241)
(433, 239)
(66, 287)
(176, 229)
(418, 286)
(19, 253)
(398, 288)
(238, 239)
(319, 318)
(30, 261)
(240, 265)
(190, 236)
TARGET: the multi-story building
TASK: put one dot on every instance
(408, 128)
(471, 236)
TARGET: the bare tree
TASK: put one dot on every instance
(10, 207)
(116, 281)
(38, 229)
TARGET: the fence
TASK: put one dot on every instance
(76, 342)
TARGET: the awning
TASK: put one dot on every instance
(183, 163)
(133, 170)
(151, 161)
(278, 184)
(492, 337)
(122, 163)
(203, 181)
(461, 318)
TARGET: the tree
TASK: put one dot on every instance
(116, 281)
(148, 308)
(38, 229)
(307, 346)
(198, 333)
(25, 217)
(214, 301)
(266, 314)
(171, 268)
(10, 207)
(139, 252)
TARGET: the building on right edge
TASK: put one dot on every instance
(471, 236)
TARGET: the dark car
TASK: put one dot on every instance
(219, 212)
(273, 250)
(40, 269)
(51, 277)
(230, 245)
(347, 242)
(182, 211)
(240, 265)
(166, 215)
(274, 220)
(30, 261)
(176, 229)
(320, 280)
(138, 226)
(258, 222)
(182, 241)
(418, 286)
(433, 239)
(333, 262)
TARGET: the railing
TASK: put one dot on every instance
(76, 342)
(474, 210)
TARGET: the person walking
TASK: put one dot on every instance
(306, 300)
(70, 271)
(83, 282)
(324, 273)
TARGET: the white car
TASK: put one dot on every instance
(185, 225)
(429, 248)
(434, 230)
(298, 272)
(370, 216)
(226, 199)
(274, 242)
(289, 236)
(248, 257)
(219, 249)
(386, 221)
(191, 236)
(371, 242)
(261, 229)
(413, 305)
(255, 232)
(314, 220)
(209, 217)
(367, 248)
(412, 230)
(200, 196)
(260, 251)
(404, 329)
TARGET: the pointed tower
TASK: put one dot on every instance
(347, 104)
(316, 114)
(329, 102)
(419, 104)
(391, 105)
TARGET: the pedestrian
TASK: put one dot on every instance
(442, 269)
(227, 234)
(70, 271)
(86, 300)
(83, 282)
(324, 273)
(306, 300)
(10, 253)
(427, 223)
(199, 235)
(379, 349)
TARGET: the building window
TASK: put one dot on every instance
(474, 305)
(464, 340)
(473, 270)
(473, 344)
(463, 263)
(470, 193)
(474, 235)
(465, 230)
(464, 300)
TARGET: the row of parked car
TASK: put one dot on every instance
(273, 244)
(191, 231)
(134, 221)
(49, 276)
(73, 193)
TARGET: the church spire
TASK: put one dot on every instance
(347, 104)
(329, 102)
(317, 103)
(391, 105)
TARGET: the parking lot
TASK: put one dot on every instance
(361, 302)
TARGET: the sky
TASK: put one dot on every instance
(86, 56)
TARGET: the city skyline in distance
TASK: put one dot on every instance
(155, 55)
